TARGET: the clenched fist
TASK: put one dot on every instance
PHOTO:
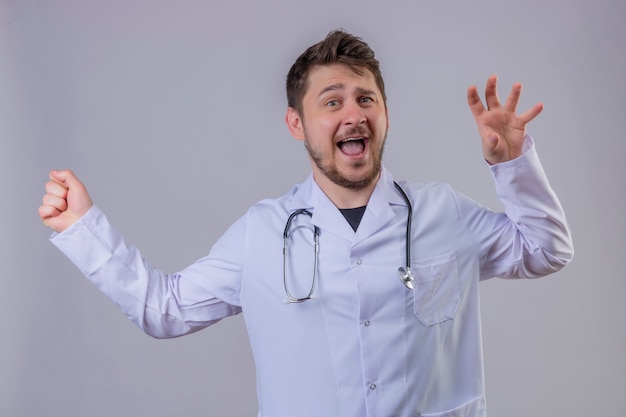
(66, 200)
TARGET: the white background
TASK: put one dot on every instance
(172, 114)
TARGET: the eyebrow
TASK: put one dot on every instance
(340, 86)
(332, 87)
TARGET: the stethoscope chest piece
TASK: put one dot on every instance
(406, 276)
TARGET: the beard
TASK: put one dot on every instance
(330, 170)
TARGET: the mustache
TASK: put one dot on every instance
(355, 131)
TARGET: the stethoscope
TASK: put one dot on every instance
(404, 272)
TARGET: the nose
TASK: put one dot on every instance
(354, 115)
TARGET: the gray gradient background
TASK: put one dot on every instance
(172, 114)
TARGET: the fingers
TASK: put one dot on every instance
(55, 188)
(491, 93)
(47, 212)
(530, 114)
(474, 102)
(493, 101)
(56, 195)
(66, 200)
(55, 201)
(67, 185)
(491, 97)
(513, 99)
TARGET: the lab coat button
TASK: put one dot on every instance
(367, 323)
(359, 261)
(372, 387)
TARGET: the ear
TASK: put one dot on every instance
(294, 123)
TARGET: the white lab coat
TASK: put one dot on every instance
(365, 345)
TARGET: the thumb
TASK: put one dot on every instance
(490, 148)
(65, 177)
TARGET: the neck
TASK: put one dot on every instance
(343, 197)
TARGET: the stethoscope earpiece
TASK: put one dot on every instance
(406, 276)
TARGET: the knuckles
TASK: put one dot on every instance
(55, 188)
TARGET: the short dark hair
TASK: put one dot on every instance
(339, 47)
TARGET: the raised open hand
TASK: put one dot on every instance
(501, 129)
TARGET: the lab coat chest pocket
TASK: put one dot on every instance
(437, 292)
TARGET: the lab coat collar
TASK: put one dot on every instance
(326, 216)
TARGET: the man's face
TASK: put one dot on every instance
(344, 124)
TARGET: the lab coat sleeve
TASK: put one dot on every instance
(532, 238)
(162, 305)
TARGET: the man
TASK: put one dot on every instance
(332, 329)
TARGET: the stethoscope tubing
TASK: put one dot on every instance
(405, 274)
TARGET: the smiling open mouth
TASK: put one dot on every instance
(352, 146)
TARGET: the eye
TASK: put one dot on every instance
(332, 103)
(366, 100)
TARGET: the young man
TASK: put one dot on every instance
(315, 272)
